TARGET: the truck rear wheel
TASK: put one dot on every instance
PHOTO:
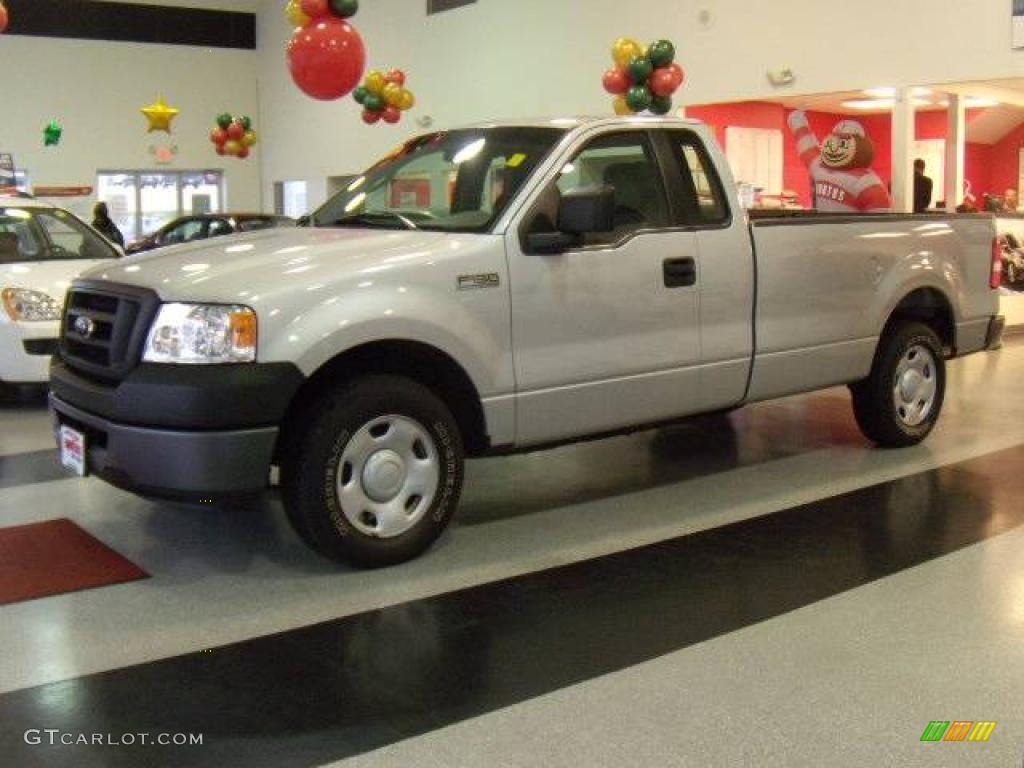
(899, 403)
(375, 472)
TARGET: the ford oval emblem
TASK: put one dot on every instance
(84, 326)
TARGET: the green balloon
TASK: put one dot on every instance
(662, 53)
(247, 122)
(638, 98)
(661, 105)
(360, 94)
(640, 70)
(374, 103)
(345, 8)
(224, 120)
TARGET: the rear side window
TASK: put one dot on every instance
(704, 200)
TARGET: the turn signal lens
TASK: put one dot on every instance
(243, 329)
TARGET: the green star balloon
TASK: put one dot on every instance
(52, 133)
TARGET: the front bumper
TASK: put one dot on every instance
(25, 350)
(186, 432)
(168, 463)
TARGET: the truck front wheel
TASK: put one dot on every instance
(373, 475)
(899, 402)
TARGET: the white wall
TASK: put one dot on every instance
(500, 58)
(95, 90)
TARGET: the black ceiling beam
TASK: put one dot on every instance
(131, 23)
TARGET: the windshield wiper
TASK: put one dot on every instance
(374, 219)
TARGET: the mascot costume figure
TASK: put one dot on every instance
(841, 167)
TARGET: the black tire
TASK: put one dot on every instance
(310, 470)
(874, 399)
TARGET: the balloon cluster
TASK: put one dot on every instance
(326, 56)
(3, 17)
(384, 96)
(643, 79)
(52, 133)
(233, 136)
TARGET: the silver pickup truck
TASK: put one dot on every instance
(500, 288)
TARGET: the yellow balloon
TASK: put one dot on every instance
(375, 82)
(392, 94)
(625, 50)
(295, 15)
(231, 146)
(620, 106)
(249, 138)
(407, 100)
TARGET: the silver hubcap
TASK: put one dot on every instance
(388, 476)
(915, 386)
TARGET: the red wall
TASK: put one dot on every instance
(1004, 160)
(989, 168)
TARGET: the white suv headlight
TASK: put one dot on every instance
(24, 304)
(202, 333)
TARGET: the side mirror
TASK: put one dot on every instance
(580, 211)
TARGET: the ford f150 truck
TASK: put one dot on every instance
(500, 288)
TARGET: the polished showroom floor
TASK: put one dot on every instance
(762, 588)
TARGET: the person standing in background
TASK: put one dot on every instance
(922, 188)
(103, 224)
(1010, 201)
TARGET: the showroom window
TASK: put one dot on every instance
(624, 161)
(141, 202)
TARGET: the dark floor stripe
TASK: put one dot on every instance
(328, 691)
(29, 468)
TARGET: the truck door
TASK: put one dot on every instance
(605, 335)
(726, 264)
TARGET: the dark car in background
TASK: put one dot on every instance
(202, 226)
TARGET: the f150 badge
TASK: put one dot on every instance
(473, 282)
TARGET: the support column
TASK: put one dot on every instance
(902, 151)
(956, 136)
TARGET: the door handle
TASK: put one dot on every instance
(680, 273)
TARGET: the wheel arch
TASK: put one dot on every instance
(930, 306)
(425, 364)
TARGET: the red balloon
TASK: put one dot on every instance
(663, 82)
(616, 81)
(391, 114)
(221, 150)
(3, 17)
(395, 76)
(218, 136)
(677, 74)
(370, 117)
(315, 8)
(326, 58)
(243, 152)
(236, 130)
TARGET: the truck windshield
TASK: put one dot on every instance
(452, 181)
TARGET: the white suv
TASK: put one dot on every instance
(41, 249)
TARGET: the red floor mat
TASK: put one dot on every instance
(44, 559)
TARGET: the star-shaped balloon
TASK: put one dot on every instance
(52, 133)
(159, 114)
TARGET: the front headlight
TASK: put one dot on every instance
(30, 306)
(202, 333)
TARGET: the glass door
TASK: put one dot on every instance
(141, 202)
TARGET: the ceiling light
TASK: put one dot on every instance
(972, 102)
(868, 105)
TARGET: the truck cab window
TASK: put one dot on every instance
(704, 200)
(625, 162)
